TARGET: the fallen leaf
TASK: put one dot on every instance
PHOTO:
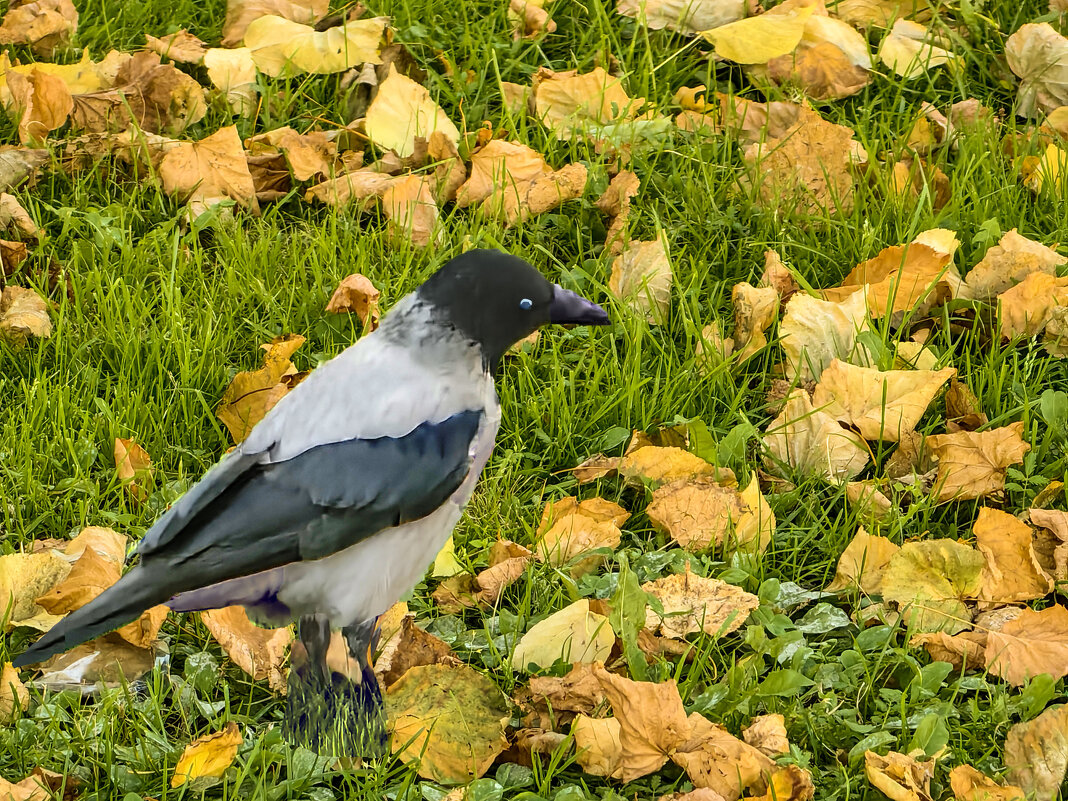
(281, 48)
(23, 314)
(1007, 264)
(1038, 55)
(911, 49)
(209, 755)
(101, 664)
(569, 529)
(233, 72)
(868, 500)
(863, 563)
(962, 408)
(1026, 308)
(965, 651)
(254, 393)
(657, 465)
(811, 441)
(715, 759)
(25, 577)
(208, 172)
(1032, 644)
(746, 120)
(754, 312)
(972, 464)
(880, 405)
(449, 719)
(508, 561)
(642, 278)
(759, 39)
(579, 691)
(570, 102)
(700, 794)
(89, 576)
(615, 202)
(696, 513)
(19, 163)
(1055, 524)
(402, 112)
(815, 332)
(81, 77)
(529, 19)
(899, 776)
(880, 13)
(1036, 753)
(13, 215)
(767, 734)
(789, 783)
(178, 46)
(930, 580)
(14, 697)
(445, 563)
(41, 101)
(684, 16)
(574, 634)
(598, 750)
(807, 170)
(45, 25)
(1012, 571)
(32, 788)
(133, 465)
(597, 466)
(260, 652)
(693, 603)
(1046, 173)
(409, 205)
(356, 295)
(968, 784)
(756, 526)
(240, 13)
(144, 631)
(409, 647)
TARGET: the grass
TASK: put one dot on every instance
(159, 319)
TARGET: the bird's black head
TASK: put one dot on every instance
(496, 299)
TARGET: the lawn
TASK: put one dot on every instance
(153, 317)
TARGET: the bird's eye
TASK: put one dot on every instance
(525, 304)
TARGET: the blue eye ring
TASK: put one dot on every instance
(525, 304)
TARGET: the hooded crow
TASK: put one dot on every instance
(336, 502)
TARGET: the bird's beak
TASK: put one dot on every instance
(568, 308)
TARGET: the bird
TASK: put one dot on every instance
(336, 502)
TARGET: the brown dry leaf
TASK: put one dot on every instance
(579, 691)
(909, 177)
(911, 49)
(41, 101)
(13, 215)
(89, 576)
(144, 631)
(778, 276)
(684, 16)
(899, 776)
(233, 72)
(696, 513)
(880, 405)
(716, 759)
(254, 393)
(178, 46)
(81, 77)
(453, 716)
(356, 295)
(104, 663)
(597, 746)
(814, 332)
(790, 783)
(930, 580)
(807, 170)
(24, 577)
(239, 13)
(642, 278)
(746, 120)
(45, 25)
(14, 697)
(403, 111)
(1039, 57)
(408, 647)
(808, 439)
(32, 788)
(754, 312)
(615, 202)
(569, 102)
(133, 465)
(23, 314)
(968, 784)
(208, 172)
(759, 39)
(657, 465)
(409, 205)
(508, 561)
(574, 634)
(965, 651)
(1032, 644)
(867, 498)
(19, 163)
(209, 755)
(529, 19)
(972, 464)
(569, 528)
(767, 734)
(962, 408)
(1026, 308)
(1008, 263)
(1036, 753)
(1054, 552)
(12, 254)
(866, 14)
(260, 652)
(693, 603)
(308, 155)
(281, 48)
(863, 563)
(597, 466)
(1012, 571)
(901, 278)
(756, 526)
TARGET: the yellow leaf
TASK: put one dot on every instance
(1029, 306)
(697, 513)
(32, 788)
(409, 647)
(814, 332)
(965, 651)
(972, 464)
(790, 783)
(208, 172)
(23, 314)
(642, 277)
(445, 563)
(240, 13)
(1038, 55)
(45, 25)
(209, 755)
(283, 48)
(24, 577)
(42, 102)
(899, 776)
(1031, 644)
(754, 312)
(597, 747)
(254, 393)
(1007, 264)
(529, 19)
(968, 784)
(569, 102)
(693, 603)
(574, 634)
(133, 465)
(258, 651)
(615, 202)
(1036, 753)
(662, 464)
(901, 278)
(409, 205)
(233, 72)
(14, 697)
(807, 439)
(449, 719)
(1012, 571)
(863, 563)
(767, 734)
(403, 111)
(910, 49)
(930, 580)
(759, 39)
(88, 577)
(685, 16)
(715, 759)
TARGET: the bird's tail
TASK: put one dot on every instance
(118, 605)
(334, 704)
